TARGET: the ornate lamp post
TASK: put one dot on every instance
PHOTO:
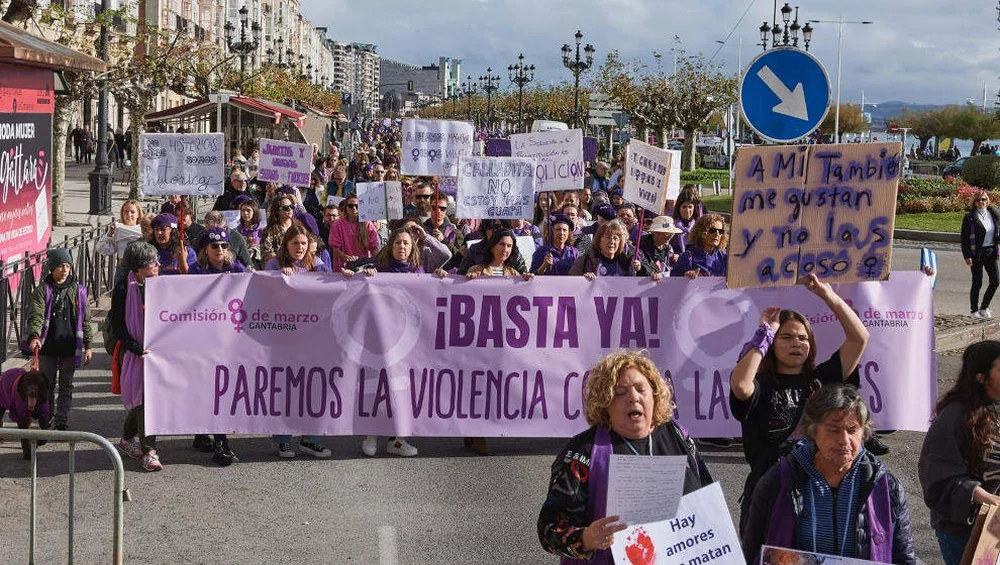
(490, 83)
(786, 32)
(246, 46)
(576, 66)
(520, 75)
(100, 177)
(468, 89)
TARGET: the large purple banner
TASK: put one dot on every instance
(412, 355)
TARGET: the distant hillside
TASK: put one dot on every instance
(892, 108)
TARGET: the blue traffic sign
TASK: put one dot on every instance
(785, 94)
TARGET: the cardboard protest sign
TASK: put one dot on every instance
(496, 187)
(285, 162)
(432, 147)
(182, 163)
(646, 171)
(334, 200)
(984, 541)
(771, 555)
(448, 185)
(559, 156)
(379, 201)
(823, 209)
(702, 532)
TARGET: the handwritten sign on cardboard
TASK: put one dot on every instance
(285, 162)
(559, 156)
(646, 172)
(823, 209)
(496, 187)
(432, 147)
(181, 163)
(379, 201)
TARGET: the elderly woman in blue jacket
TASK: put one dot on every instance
(829, 495)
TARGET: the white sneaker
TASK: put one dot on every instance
(400, 447)
(986, 314)
(369, 446)
(978, 314)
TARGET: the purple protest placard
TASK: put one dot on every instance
(412, 355)
(285, 162)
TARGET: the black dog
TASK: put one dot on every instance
(25, 394)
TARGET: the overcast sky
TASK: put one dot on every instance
(921, 51)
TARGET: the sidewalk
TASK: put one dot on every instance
(952, 331)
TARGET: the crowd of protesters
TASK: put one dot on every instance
(805, 429)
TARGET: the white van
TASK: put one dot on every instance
(548, 125)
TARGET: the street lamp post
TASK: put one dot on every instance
(576, 66)
(100, 177)
(246, 46)
(520, 75)
(490, 83)
(787, 33)
(840, 49)
(454, 101)
(468, 89)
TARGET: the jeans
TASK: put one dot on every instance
(990, 265)
(64, 367)
(952, 546)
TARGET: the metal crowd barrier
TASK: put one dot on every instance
(120, 494)
(20, 277)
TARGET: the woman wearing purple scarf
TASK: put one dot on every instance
(127, 307)
(400, 255)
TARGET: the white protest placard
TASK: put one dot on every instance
(770, 555)
(182, 163)
(433, 147)
(645, 489)
(559, 156)
(646, 171)
(500, 188)
(379, 201)
(674, 180)
(702, 532)
(285, 162)
(334, 200)
(232, 218)
(124, 235)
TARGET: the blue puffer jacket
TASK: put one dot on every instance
(870, 472)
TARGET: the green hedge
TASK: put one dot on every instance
(983, 171)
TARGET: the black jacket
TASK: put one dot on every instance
(973, 234)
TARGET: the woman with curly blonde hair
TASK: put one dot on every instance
(629, 408)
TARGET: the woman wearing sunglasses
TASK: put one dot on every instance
(980, 235)
(705, 254)
(350, 239)
(214, 257)
(280, 216)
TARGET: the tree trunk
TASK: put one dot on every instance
(663, 138)
(137, 125)
(60, 124)
(688, 162)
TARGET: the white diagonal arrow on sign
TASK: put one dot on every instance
(793, 102)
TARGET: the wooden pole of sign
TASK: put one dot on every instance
(437, 198)
(638, 235)
(180, 222)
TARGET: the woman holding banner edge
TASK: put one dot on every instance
(776, 374)
(629, 407)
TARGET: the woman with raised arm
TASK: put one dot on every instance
(777, 372)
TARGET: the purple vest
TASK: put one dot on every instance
(781, 527)
(597, 499)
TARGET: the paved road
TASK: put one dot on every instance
(444, 506)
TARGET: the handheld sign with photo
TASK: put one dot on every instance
(823, 209)
(702, 532)
(500, 188)
(771, 555)
(285, 162)
(182, 163)
(646, 172)
(433, 147)
(379, 201)
(559, 156)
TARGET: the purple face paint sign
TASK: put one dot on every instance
(495, 187)
(432, 147)
(413, 355)
(285, 162)
(559, 155)
(181, 163)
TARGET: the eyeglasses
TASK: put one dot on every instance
(351, 206)
(717, 231)
(153, 264)
(219, 245)
(286, 208)
(422, 196)
(442, 208)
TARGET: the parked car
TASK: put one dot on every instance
(675, 145)
(954, 169)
